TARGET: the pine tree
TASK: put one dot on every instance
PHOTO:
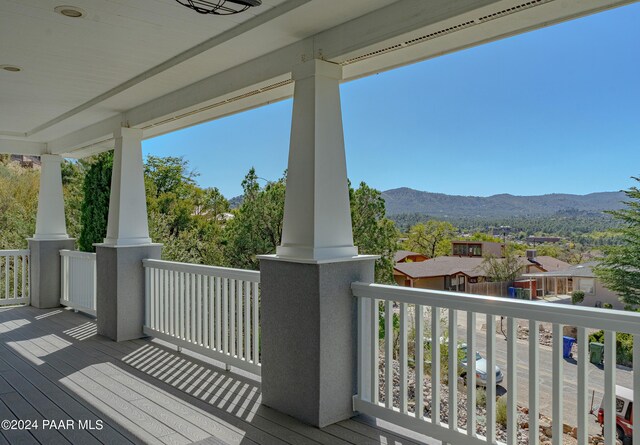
(620, 268)
(95, 208)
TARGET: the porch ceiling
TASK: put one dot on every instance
(156, 65)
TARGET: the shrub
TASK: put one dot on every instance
(577, 297)
(624, 346)
(607, 306)
(501, 411)
(481, 397)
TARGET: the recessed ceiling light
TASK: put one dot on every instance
(70, 11)
(11, 68)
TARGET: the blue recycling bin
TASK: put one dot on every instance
(567, 344)
(512, 292)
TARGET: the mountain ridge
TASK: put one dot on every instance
(407, 200)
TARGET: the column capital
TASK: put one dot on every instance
(125, 132)
(46, 158)
(316, 67)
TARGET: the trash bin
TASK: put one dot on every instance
(512, 292)
(567, 344)
(596, 353)
(518, 293)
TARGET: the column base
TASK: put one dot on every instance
(121, 289)
(308, 332)
(44, 264)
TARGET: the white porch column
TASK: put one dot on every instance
(317, 218)
(120, 278)
(50, 237)
(127, 224)
(50, 222)
(308, 313)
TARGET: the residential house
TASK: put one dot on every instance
(407, 256)
(562, 282)
(477, 249)
(455, 272)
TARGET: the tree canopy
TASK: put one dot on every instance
(619, 270)
(432, 238)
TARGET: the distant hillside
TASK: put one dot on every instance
(406, 200)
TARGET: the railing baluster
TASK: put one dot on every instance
(558, 380)
(225, 315)
(198, 311)
(193, 308)
(147, 295)
(403, 358)
(239, 351)
(388, 353)
(182, 305)
(156, 299)
(188, 322)
(471, 374)
(205, 311)
(583, 386)
(256, 325)
(534, 371)
(247, 321)
(375, 348)
(512, 381)
(435, 365)
(15, 276)
(419, 362)
(172, 304)
(636, 386)
(232, 318)
(212, 319)
(219, 320)
(453, 369)
(23, 263)
(491, 378)
(609, 401)
(7, 273)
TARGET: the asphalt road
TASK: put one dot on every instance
(624, 376)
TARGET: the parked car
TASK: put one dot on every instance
(481, 367)
(624, 414)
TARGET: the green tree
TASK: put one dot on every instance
(619, 270)
(18, 204)
(95, 206)
(373, 233)
(257, 224)
(432, 238)
(502, 269)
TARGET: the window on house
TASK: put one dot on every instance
(587, 285)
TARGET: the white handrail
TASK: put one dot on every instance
(211, 310)
(209, 271)
(78, 281)
(394, 301)
(14, 276)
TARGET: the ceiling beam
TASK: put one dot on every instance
(385, 34)
(17, 147)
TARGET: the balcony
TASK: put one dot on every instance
(197, 375)
(306, 350)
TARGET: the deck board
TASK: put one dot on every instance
(53, 364)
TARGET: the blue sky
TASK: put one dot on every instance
(552, 111)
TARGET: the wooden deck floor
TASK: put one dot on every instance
(54, 367)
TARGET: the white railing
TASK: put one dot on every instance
(78, 280)
(377, 399)
(214, 311)
(14, 277)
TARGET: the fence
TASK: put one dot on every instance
(78, 280)
(492, 289)
(214, 311)
(377, 398)
(14, 277)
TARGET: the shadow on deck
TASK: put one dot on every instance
(53, 367)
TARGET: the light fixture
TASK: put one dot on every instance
(11, 68)
(70, 11)
(219, 7)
